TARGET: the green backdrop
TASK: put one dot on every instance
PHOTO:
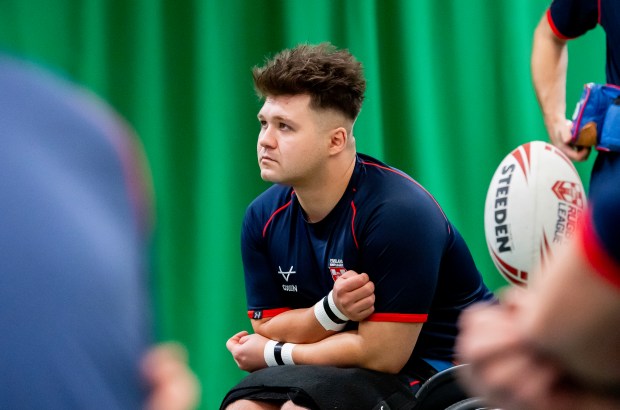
(449, 95)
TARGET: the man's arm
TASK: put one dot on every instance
(549, 65)
(353, 294)
(381, 346)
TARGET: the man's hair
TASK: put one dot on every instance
(333, 78)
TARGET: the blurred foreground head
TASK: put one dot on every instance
(74, 218)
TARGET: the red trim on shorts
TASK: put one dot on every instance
(554, 28)
(267, 312)
(398, 317)
(596, 255)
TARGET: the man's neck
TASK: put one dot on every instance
(322, 196)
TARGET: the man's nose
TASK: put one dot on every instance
(266, 137)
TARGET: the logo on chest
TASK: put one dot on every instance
(286, 276)
(336, 268)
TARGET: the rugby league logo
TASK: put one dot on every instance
(336, 268)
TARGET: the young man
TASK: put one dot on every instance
(555, 346)
(351, 267)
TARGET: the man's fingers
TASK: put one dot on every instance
(360, 293)
(485, 330)
(235, 339)
(351, 303)
(578, 154)
(354, 295)
(349, 274)
(173, 385)
(351, 280)
(351, 289)
(362, 313)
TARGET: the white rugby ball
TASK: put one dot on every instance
(533, 203)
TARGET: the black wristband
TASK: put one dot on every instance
(277, 353)
(330, 313)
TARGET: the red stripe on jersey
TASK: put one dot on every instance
(267, 312)
(596, 255)
(274, 214)
(415, 182)
(353, 225)
(554, 28)
(398, 317)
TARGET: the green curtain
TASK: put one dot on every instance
(449, 95)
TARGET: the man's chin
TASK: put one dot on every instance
(269, 177)
(274, 179)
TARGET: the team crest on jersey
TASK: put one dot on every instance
(336, 268)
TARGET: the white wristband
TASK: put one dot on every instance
(278, 353)
(326, 317)
(287, 353)
(269, 353)
(334, 308)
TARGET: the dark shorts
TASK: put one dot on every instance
(325, 387)
(606, 167)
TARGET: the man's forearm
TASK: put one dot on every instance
(549, 63)
(384, 347)
(293, 326)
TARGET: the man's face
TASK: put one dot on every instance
(292, 145)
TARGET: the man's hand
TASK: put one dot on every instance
(173, 385)
(501, 368)
(248, 350)
(508, 371)
(561, 136)
(354, 295)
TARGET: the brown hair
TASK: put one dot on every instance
(333, 78)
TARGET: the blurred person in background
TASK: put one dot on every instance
(75, 222)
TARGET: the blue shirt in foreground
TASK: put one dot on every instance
(74, 316)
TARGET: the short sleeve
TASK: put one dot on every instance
(572, 18)
(402, 253)
(263, 299)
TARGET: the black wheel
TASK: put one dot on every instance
(474, 403)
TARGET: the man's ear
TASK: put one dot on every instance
(338, 140)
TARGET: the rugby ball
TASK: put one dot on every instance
(533, 203)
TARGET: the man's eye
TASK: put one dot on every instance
(284, 126)
(263, 123)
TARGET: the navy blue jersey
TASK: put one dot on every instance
(73, 310)
(385, 225)
(573, 18)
